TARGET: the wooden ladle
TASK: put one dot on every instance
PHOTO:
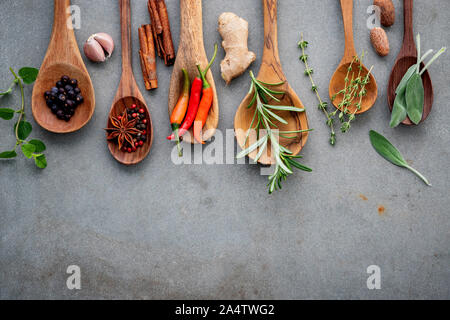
(337, 81)
(405, 59)
(62, 58)
(128, 94)
(191, 52)
(271, 72)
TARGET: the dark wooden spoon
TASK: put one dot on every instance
(337, 81)
(128, 93)
(62, 58)
(405, 59)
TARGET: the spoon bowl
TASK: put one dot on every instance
(62, 58)
(405, 59)
(47, 79)
(128, 94)
(123, 157)
(271, 72)
(337, 81)
(191, 52)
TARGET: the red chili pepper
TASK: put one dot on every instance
(194, 100)
(205, 103)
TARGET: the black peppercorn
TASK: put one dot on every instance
(73, 83)
(65, 79)
(59, 84)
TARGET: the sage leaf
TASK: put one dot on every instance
(390, 153)
(398, 110)
(8, 154)
(402, 85)
(40, 161)
(414, 98)
(28, 74)
(24, 129)
(28, 150)
(6, 113)
(38, 144)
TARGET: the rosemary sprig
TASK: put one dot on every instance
(322, 104)
(265, 117)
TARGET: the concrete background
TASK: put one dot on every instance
(161, 231)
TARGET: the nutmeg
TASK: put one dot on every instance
(380, 41)
(387, 12)
(99, 47)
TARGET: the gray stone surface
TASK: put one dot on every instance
(158, 230)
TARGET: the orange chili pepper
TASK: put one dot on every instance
(179, 111)
(205, 103)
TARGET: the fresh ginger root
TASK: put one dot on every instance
(234, 32)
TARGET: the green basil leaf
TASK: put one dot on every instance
(402, 85)
(8, 154)
(28, 150)
(415, 98)
(40, 161)
(6, 113)
(386, 149)
(398, 110)
(38, 144)
(28, 74)
(24, 129)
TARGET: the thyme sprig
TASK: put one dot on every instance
(354, 88)
(323, 105)
(263, 122)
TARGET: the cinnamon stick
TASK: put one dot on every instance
(161, 30)
(148, 57)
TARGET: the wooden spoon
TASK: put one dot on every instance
(405, 59)
(62, 58)
(128, 94)
(337, 82)
(191, 52)
(271, 72)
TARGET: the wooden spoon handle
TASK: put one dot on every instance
(408, 36)
(63, 36)
(347, 16)
(270, 31)
(125, 26)
(191, 22)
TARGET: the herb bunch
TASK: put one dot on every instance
(354, 88)
(263, 122)
(352, 94)
(323, 105)
(409, 99)
(32, 149)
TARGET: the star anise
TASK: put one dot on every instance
(122, 129)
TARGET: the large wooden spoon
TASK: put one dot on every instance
(62, 58)
(405, 59)
(271, 72)
(191, 52)
(337, 82)
(128, 93)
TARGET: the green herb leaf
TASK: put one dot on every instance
(28, 74)
(398, 110)
(6, 113)
(415, 98)
(8, 154)
(24, 129)
(402, 85)
(6, 92)
(40, 161)
(28, 150)
(390, 153)
(38, 144)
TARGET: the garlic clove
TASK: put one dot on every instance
(106, 42)
(94, 51)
